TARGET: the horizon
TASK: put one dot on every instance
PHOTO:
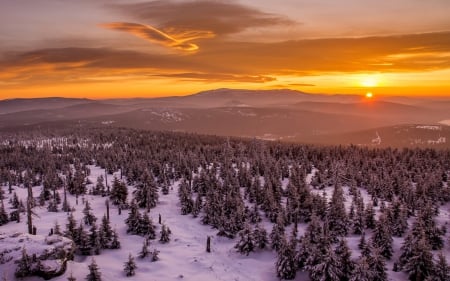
(132, 49)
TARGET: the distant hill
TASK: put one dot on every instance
(16, 105)
(267, 114)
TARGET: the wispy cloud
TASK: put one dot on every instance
(178, 39)
(219, 17)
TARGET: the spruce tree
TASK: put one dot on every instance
(24, 265)
(130, 266)
(344, 255)
(441, 270)
(328, 267)
(420, 265)
(362, 271)
(94, 272)
(246, 243)
(165, 234)
(377, 264)
(286, 264)
(144, 251)
(260, 237)
(382, 237)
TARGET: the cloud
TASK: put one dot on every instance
(218, 17)
(177, 40)
(255, 62)
(219, 77)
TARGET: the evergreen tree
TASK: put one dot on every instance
(165, 234)
(144, 252)
(71, 228)
(155, 255)
(24, 265)
(94, 272)
(420, 264)
(88, 218)
(382, 238)
(338, 222)
(146, 193)
(362, 271)
(377, 264)
(134, 219)
(327, 268)
(115, 243)
(260, 237)
(4, 218)
(344, 255)
(369, 216)
(147, 228)
(441, 270)
(286, 264)
(130, 266)
(246, 243)
(276, 236)
(119, 192)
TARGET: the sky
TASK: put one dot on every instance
(117, 48)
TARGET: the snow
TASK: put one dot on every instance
(183, 258)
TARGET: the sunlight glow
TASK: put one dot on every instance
(369, 81)
(369, 95)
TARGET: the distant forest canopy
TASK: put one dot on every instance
(231, 183)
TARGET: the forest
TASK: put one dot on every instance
(327, 213)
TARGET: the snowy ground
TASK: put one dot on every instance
(184, 258)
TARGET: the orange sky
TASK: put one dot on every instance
(103, 49)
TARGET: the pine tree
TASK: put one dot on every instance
(134, 219)
(146, 227)
(338, 222)
(130, 266)
(24, 265)
(328, 267)
(165, 234)
(286, 264)
(115, 243)
(382, 238)
(377, 264)
(71, 228)
(83, 242)
(105, 233)
(441, 270)
(420, 265)
(276, 236)
(362, 271)
(119, 192)
(94, 272)
(155, 255)
(344, 254)
(4, 218)
(369, 216)
(88, 218)
(260, 237)
(146, 193)
(246, 243)
(144, 252)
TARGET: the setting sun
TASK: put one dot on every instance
(369, 95)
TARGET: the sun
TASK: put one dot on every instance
(369, 95)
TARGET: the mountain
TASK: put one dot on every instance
(267, 114)
(16, 105)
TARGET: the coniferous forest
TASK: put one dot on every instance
(290, 211)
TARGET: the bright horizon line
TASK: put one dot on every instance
(362, 94)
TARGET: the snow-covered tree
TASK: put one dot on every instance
(130, 266)
(246, 242)
(94, 272)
